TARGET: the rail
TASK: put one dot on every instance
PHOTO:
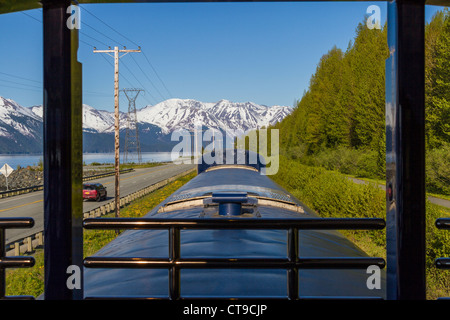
(292, 263)
(36, 240)
(12, 262)
(442, 263)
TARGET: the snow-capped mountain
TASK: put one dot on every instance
(93, 120)
(175, 114)
(230, 116)
(21, 127)
(19, 118)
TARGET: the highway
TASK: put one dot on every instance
(32, 204)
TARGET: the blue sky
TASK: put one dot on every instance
(259, 52)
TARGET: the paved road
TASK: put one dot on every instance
(32, 204)
(438, 201)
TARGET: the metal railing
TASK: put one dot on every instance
(36, 240)
(12, 262)
(292, 263)
(443, 263)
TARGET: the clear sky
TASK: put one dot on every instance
(259, 52)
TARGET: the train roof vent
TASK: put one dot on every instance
(230, 204)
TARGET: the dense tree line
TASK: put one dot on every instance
(339, 122)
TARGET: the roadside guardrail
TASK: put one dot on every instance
(15, 192)
(32, 242)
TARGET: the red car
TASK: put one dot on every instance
(94, 191)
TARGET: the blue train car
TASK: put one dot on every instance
(218, 194)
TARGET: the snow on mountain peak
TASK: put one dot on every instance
(175, 114)
(14, 115)
(169, 115)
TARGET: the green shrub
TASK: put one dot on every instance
(357, 162)
(331, 194)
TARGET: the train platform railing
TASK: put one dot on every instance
(292, 263)
(16, 261)
(443, 263)
(36, 240)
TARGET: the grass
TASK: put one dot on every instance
(141, 165)
(30, 281)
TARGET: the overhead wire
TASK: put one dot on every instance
(81, 32)
(101, 33)
(120, 43)
(84, 9)
(14, 87)
(133, 42)
(86, 35)
(154, 70)
(18, 77)
(145, 75)
(142, 86)
(120, 74)
(27, 85)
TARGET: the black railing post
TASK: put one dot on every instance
(12, 262)
(405, 151)
(292, 273)
(62, 153)
(174, 254)
(2, 270)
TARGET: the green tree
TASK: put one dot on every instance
(438, 100)
(367, 60)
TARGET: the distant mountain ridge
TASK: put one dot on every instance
(186, 113)
(21, 127)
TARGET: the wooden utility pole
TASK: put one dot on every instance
(116, 52)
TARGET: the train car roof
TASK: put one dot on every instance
(229, 243)
(232, 179)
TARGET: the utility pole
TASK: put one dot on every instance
(116, 57)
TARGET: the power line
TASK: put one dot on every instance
(84, 8)
(11, 75)
(145, 56)
(145, 75)
(28, 89)
(85, 24)
(21, 84)
(86, 43)
(111, 64)
(84, 34)
(142, 86)
(81, 32)
(125, 37)
(28, 15)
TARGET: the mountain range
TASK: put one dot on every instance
(21, 128)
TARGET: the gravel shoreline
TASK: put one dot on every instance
(34, 176)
